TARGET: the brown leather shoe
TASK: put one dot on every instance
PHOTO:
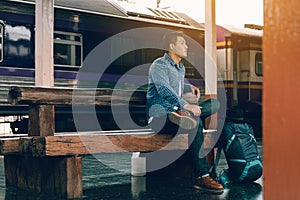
(208, 184)
(183, 119)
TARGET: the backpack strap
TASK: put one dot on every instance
(229, 142)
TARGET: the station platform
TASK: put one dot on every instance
(103, 180)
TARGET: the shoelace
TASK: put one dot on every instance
(210, 180)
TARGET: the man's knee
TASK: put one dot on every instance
(212, 104)
(215, 104)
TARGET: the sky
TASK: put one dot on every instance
(228, 12)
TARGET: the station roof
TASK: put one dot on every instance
(224, 31)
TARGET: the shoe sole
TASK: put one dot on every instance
(213, 191)
(183, 121)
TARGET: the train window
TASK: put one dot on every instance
(1, 41)
(67, 49)
(258, 64)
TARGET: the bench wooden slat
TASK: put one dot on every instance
(91, 144)
(71, 96)
(98, 142)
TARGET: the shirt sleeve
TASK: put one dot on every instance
(160, 79)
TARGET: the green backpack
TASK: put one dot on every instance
(239, 145)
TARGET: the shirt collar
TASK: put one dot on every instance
(171, 61)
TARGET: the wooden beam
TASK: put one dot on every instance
(93, 144)
(78, 96)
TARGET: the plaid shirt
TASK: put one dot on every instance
(165, 87)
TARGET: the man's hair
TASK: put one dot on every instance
(171, 38)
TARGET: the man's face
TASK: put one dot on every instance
(179, 48)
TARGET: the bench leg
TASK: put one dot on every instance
(41, 120)
(60, 176)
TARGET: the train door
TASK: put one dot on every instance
(247, 81)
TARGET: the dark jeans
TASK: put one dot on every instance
(163, 125)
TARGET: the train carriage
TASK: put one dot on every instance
(79, 26)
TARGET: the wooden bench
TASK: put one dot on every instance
(44, 161)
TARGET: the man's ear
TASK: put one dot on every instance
(171, 46)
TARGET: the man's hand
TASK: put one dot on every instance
(190, 98)
(195, 109)
(195, 91)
